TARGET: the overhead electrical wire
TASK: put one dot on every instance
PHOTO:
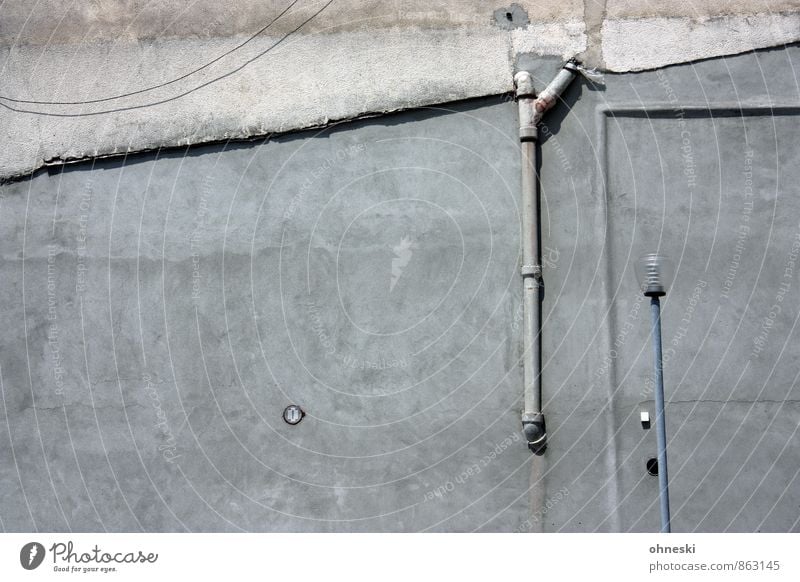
(160, 85)
(164, 84)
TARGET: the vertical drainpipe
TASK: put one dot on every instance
(531, 110)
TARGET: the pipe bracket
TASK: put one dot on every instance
(531, 271)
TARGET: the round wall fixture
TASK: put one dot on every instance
(293, 414)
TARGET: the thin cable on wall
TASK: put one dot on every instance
(160, 85)
(185, 75)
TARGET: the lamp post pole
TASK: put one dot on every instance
(661, 428)
(654, 272)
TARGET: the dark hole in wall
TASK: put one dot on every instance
(652, 466)
(513, 16)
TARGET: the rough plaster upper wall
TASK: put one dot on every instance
(694, 8)
(354, 59)
(52, 22)
(649, 43)
(305, 82)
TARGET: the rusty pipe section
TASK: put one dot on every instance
(531, 110)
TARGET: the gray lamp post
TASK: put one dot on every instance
(655, 274)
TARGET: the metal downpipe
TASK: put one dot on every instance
(531, 111)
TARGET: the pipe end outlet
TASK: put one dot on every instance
(533, 426)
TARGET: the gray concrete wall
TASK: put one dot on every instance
(161, 310)
(169, 307)
(699, 162)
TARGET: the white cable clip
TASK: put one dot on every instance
(592, 75)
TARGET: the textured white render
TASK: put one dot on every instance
(648, 43)
(353, 59)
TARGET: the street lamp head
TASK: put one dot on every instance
(654, 273)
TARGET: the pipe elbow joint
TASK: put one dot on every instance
(535, 431)
(523, 83)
